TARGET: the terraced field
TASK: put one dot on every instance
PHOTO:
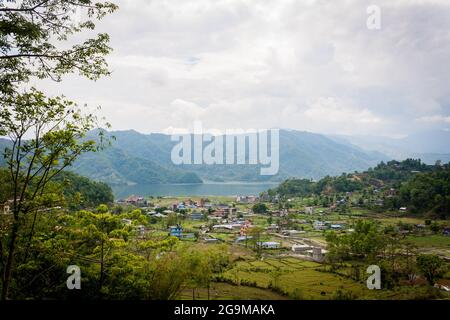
(297, 278)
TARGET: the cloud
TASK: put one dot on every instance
(308, 65)
(434, 119)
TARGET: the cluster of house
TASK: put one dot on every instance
(134, 200)
(190, 204)
(240, 225)
(247, 199)
(325, 225)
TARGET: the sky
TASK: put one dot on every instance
(310, 65)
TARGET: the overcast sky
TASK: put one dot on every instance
(301, 64)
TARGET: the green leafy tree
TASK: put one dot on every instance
(260, 208)
(32, 36)
(431, 266)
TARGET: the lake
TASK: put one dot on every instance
(197, 189)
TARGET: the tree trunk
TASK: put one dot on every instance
(30, 237)
(101, 268)
(9, 261)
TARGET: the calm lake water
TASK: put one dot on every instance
(203, 189)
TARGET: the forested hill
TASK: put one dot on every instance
(410, 183)
(68, 189)
(145, 158)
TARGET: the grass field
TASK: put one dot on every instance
(434, 241)
(226, 291)
(300, 279)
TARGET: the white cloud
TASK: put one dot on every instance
(307, 65)
(434, 119)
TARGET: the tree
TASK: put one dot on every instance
(255, 235)
(30, 32)
(431, 266)
(259, 208)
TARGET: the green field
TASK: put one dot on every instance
(295, 278)
(434, 241)
(226, 291)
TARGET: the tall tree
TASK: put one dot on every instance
(47, 134)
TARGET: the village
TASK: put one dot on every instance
(268, 227)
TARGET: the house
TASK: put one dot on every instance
(273, 228)
(211, 240)
(319, 225)
(301, 248)
(5, 208)
(318, 254)
(269, 245)
(135, 200)
(247, 199)
(127, 222)
(243, 238)
(196, 216)
(336, 226)
(309, 210)
(140, 229)
(292, 232)
(176, 231)
(223, 227)
(225, 211)
(403, 209)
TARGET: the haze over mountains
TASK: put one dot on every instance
(136, 158)
(145, 158)
(429, 145)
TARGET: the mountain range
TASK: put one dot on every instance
(136, 158)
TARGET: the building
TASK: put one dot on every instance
(269, 245)
(5, 208)
(243, 238)
(136, 201)
(309, 210)
(292, 232)
(223, 227)
(272, 228)
(247, 199)
(140, 230)
(196, 216)
(176, 231)
(301, 248)
(318, 255)
(319, 225)
(225, 212)
(127, 222)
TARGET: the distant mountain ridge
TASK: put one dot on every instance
(429, 146)
(136, 158)
(146, 158)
